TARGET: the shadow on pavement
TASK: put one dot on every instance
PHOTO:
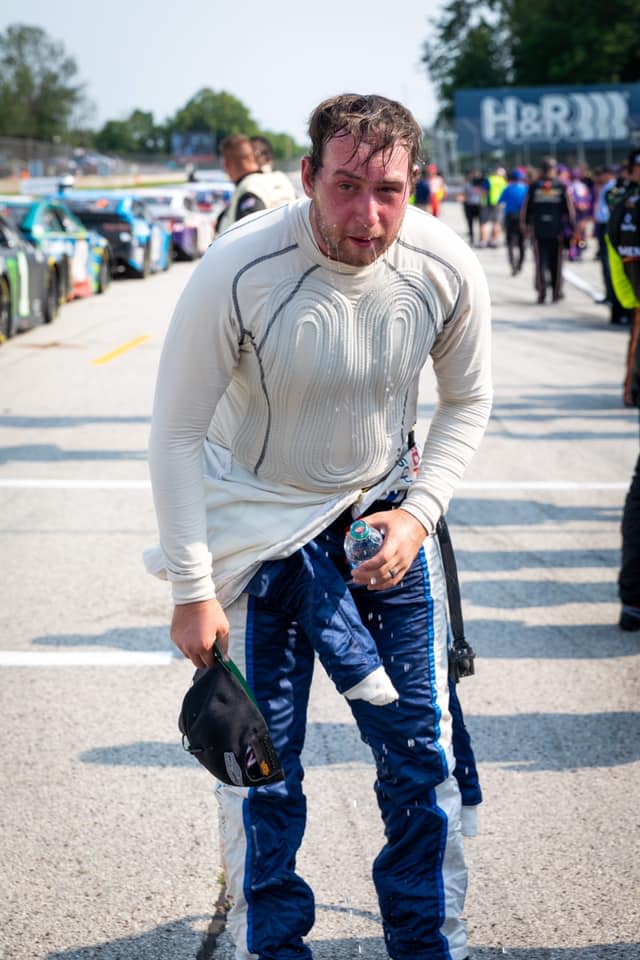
(52, 453)
(177, 940)
(510, 639)
(123, 638)
(56, 423)
(487, 561)
(470, 512)
(510, 594)
(527, 742)
(595, 951)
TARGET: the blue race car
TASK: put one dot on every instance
(139, 243)
(80, 257)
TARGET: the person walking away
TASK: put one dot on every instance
(615, 191)
(605, 182)
(623, 245)
(491, 214)
(422, 190)
(582, 204)
(512, 198)
(546, 210)
(473, 196)
(437, 188)
(284, 343)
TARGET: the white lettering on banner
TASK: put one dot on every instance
(557, 116)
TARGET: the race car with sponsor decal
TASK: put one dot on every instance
(28, 289)
(192, 229)
(80, 257)
(139, 243)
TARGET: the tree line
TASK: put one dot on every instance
(472, 44)
(475, 44)
(42, 97)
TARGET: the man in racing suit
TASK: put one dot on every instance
(255, 189)
(286, 392)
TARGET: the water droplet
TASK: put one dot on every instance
(411, 742)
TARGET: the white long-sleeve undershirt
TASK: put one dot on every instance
(288, 384)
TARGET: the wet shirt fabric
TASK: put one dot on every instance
(288, 384)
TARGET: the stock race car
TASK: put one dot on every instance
(80, 257)
(139, 243)
(28, 290)
(192, 229)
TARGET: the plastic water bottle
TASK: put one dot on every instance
(361, 542)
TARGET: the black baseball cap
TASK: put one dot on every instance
(223, 728)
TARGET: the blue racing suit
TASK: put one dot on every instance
(420, 876)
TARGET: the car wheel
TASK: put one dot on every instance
(5, 310)
(104, 274)
(51, 303)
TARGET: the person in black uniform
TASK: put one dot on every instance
(546, 212)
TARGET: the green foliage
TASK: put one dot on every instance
(596, 43)
(40, 97)
(39, 91)
(220, 113)
(284, 147)
(138, 134)
(519, 43)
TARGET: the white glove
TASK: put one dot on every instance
(376, 688)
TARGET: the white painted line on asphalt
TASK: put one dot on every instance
(86, 658)
(576, 281)
(20, 483)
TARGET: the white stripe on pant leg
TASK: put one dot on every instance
(438, 589)
(454, 870)
(233, 843)
(231, 801)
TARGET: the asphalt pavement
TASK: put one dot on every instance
(109, 835)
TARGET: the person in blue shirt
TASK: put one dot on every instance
(512, 198)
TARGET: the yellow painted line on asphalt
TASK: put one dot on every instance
(130, 345)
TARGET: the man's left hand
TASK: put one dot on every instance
(403, 537)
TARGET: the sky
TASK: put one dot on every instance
(279, 59)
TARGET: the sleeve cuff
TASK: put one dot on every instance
(427, 513)
(192, 591)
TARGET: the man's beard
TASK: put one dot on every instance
(340, 250)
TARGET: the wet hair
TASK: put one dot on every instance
(373, 120)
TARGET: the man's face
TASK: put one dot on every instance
(357, 207)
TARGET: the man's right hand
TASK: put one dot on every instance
(195, 627)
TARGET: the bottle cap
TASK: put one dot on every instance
(359, 530)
